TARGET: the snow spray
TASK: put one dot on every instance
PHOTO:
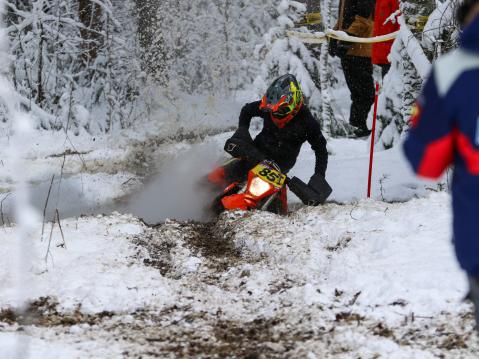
(176, 191)
(373, 133)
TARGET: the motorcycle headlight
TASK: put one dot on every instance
(258, 187)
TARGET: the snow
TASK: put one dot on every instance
(353, 278)
(304, 270)
(95, 269)
(21, 346)
(389, 253)
(414, 49)
(438, 21)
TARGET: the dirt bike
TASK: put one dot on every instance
(265, 187)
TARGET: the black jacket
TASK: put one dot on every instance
(283, 145)
(363, 8)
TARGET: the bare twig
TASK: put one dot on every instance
(355, 298)
(49, 253)
(46, 204)
(64, 244)
(381, 185)
(351, 213)
(1, 207)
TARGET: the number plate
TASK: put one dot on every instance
(270, 175)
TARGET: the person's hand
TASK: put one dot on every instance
(242, 134)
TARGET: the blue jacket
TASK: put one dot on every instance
(445, 131)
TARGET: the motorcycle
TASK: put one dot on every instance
(265, 187)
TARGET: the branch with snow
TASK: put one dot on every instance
(414, 49)
(440, 20)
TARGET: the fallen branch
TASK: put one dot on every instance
(68, 152)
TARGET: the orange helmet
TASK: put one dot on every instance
(283, 100)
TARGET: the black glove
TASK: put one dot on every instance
(237, 144)
(319, 184)
(241, 145)
(242, 134)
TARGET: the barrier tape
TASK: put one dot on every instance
(321, 37)
(314, 18)
(311, 18)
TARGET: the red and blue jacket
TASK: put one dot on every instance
(445, 131)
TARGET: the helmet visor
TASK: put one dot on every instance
(283, 111)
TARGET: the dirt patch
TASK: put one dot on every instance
(43, 312)
(382, 330)
(209, 241)
(180, 331)
(8, 316)
(159, 253)
(349, 317)
(257, 339)
(214, 244)
(454, 341)
(202, 335)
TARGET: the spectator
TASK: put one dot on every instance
(384, 25)
(445, 130)
(355, 18)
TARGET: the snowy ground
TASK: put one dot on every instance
(354, 278)
(365, 280)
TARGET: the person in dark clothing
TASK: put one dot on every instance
(287, 124)
(358, 72)
(355, 18)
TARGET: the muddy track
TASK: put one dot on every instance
(216, 313)
(211, 241)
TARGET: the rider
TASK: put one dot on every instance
(287, 124)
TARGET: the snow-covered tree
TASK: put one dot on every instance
(329, 70)
(410, 66)
(441, 30)
(75, 63)
(280, 54)
(205, 46)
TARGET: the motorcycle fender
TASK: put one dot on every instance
(236, 202)
(217, 176)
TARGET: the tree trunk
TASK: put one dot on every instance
(146, 13)
(90, 17)
(40, 91)
(154, 57)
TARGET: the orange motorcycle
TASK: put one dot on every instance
(265, 188)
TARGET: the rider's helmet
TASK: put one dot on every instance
(283, 100)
